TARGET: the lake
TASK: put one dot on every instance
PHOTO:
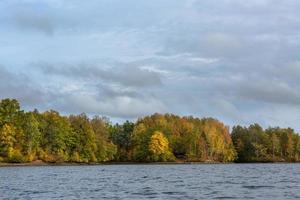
(194, 181)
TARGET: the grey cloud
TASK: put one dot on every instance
(234, 81)
(116, 92)
(234, 30)
(19, 86)
(289, 71)
(235, 60)
(270, 91)
(255, 83)
(92, 98)
(107, 91)
(220, 44)
(80, 16)
(119, 105)
(28, 19)
(126, 76)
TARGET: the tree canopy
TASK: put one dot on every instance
(52, 137)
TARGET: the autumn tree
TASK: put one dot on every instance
(54, 129)
(106, 149)
(159, 148)
(7, 140)
(85, 139)
(52, 137)
(191, 139)
(31, 136)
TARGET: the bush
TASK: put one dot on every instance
(16, 157)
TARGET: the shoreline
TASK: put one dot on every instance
(40, 163)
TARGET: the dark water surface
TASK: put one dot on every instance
(233, 181)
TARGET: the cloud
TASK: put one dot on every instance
(117, 106)
(234, 60)
(30, 19)
(126, 76)
(119, 92)
(270, 91)
(220, 44)
(74, 96)
(50, 16)
(19, 86)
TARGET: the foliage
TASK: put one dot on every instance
(121, 136)
(48, 136)
(253, 144)
(7, 140)
(159, 148)
(51, 137)
(190, 139)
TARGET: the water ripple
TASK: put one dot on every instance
(238, 181)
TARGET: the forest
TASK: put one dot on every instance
(54, 138)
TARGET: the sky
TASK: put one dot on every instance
(234, 60)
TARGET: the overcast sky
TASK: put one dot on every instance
(235, 60)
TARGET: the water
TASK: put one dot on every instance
(233, 181)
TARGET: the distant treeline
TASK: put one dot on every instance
(48, 136)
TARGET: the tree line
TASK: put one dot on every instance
(51, 137)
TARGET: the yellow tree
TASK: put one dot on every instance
(7, 140)
(159, 148)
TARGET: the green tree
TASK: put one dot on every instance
(85, 136)
(106, 150)
(121, 135)
(54, 129)
(9, 110)
(31, 136)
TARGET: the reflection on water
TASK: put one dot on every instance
(233, 181)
